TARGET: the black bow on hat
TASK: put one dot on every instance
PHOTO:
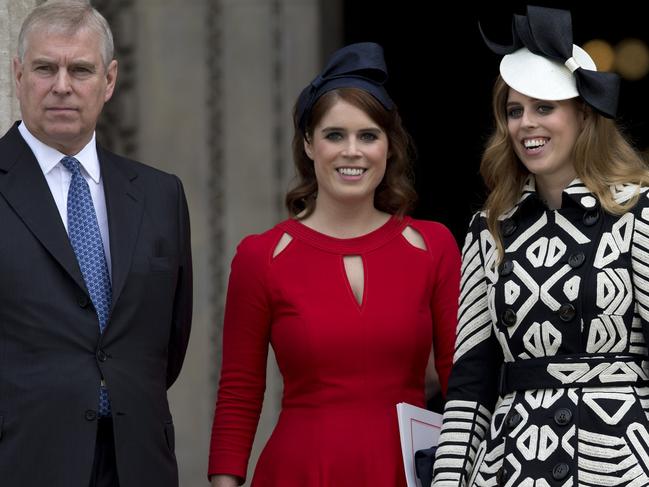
(547, 32)
(359, 65)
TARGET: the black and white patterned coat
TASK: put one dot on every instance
(567, 312)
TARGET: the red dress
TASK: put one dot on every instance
(345, 365)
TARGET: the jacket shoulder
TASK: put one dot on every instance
(132, 168)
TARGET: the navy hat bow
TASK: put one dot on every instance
(359, 65)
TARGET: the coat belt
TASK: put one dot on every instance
(579, 370)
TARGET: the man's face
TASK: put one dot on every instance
(62, 86)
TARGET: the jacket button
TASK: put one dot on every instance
(101, 355)
(562, 416)
(506, 268)
(576, 259)
(91, 415)
(560, 471)
(509, 227)
(509, 317)
(567, 312)
(590, 218)
(501, 476)
(513, 419)
(83, 300)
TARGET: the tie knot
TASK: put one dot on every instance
(71, 164)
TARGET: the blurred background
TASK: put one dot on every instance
(206, 89)
(441, 75)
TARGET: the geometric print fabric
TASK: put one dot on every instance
(573, 282)
(86, 241)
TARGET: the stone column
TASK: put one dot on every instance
(263, 52)
(12, 13)
(215, 83)
(170, 91)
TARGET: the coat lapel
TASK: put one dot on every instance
(24, 187)
(125, 205)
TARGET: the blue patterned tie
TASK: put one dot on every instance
(85, 238)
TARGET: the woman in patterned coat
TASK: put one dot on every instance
(550, 378)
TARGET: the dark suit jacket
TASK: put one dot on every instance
(51, 353)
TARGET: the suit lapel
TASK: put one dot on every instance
(24, 187)
(125, 205)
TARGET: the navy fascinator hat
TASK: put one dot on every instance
(359, 65)
(543, 63)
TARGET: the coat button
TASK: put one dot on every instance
(590, 218)
(560, 471)
(509, 227)
(567, 312)
(506, 268)
(83, 300)
(513, 419)
(509, 317)
(562, 416)
(501, 476)
(91, 415)
(576, 259)
(101, 355)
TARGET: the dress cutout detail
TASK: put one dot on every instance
(282, 244)
(355, 276)
(414, 238)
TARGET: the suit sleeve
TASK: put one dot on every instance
(473, 385)
(246, 337)
(183, 298)
(444, 300)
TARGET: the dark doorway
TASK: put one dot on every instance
(450, 123)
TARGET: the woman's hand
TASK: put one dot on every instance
(224, 481)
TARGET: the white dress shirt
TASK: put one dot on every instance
(58, 179)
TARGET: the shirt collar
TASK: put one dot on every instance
(48, 157)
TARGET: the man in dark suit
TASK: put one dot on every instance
(95, 276)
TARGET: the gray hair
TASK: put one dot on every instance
(67, 17)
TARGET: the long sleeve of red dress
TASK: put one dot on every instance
(444, 297)
(345, 364)
(246, 335)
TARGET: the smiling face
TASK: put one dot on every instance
(62, 86)
(543, 135)
(349, 151)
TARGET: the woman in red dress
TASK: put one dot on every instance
(352, 294)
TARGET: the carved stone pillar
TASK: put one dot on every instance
(118, 124)
(12, 14)
(262, 53)
(169, 100)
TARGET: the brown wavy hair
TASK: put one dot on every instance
(395, 194)
(602, 157)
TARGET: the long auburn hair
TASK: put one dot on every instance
(395, 194)
(602, 157)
